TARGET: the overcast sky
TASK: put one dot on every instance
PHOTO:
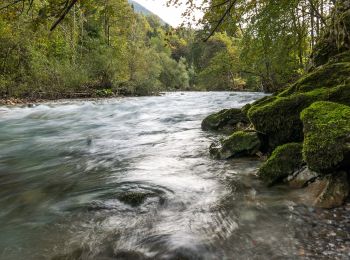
(170, 15)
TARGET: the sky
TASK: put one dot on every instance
(171, 15)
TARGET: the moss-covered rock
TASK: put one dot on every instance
(279, 117)
(328, 192)
(284, 161)
(263, 101)
(341, 57)
(327, 136)
(238, 144)
(326, 76)
(226, 120)
(245, 110)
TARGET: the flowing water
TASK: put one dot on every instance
(132, 178)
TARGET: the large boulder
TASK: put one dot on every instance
(238, 144)
(327, 136)
(284, 161)
(329, 75)
(227, 120)
(278, 118)
(327, 192)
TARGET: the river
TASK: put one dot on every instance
(131, 178)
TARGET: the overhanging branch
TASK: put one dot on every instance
(63, 15)
(221, 20)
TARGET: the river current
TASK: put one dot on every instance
(131, 178)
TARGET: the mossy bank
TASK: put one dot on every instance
(304, 130)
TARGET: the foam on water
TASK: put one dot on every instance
(132, 177)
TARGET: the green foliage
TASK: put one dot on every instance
(336, 38)
(327, 135)
(104, 44)
(218, 63)
(104, 93)
(174, 75)
(98, 46)
(284, 161)
(276, 38)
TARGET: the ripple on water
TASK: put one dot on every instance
(132, 179)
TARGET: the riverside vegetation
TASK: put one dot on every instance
(305, 128)
(100, 49)
(105, 48)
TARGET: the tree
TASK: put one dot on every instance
(277, 37)
(97, 47)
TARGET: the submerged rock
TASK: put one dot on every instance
(226, 120)
(128, 255)
(284, 161)
(238, 144)
(134, 199)
(104, 254)
(73, 255)
(327, 136)
(181, 253)
(328, 192)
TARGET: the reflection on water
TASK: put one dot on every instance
(132, 179)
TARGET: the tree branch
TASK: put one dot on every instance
(220, 4)
(10, 4)
(313, 7)
(221, 20)
(63, 15)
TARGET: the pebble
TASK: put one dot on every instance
(324, 234)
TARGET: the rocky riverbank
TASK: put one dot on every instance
(330, 238)
(304, 131)
(19, 101)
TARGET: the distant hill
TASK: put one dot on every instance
(143, 10)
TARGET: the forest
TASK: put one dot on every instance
(104, 48)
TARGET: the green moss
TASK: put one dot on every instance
(227, 118)
(245, 109)
(327, 135)
(326, 76)
(263, 101)
(284, 161)
(279, 119)
(341, 57)
(238, 144)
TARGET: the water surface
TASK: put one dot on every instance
(132, 178)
